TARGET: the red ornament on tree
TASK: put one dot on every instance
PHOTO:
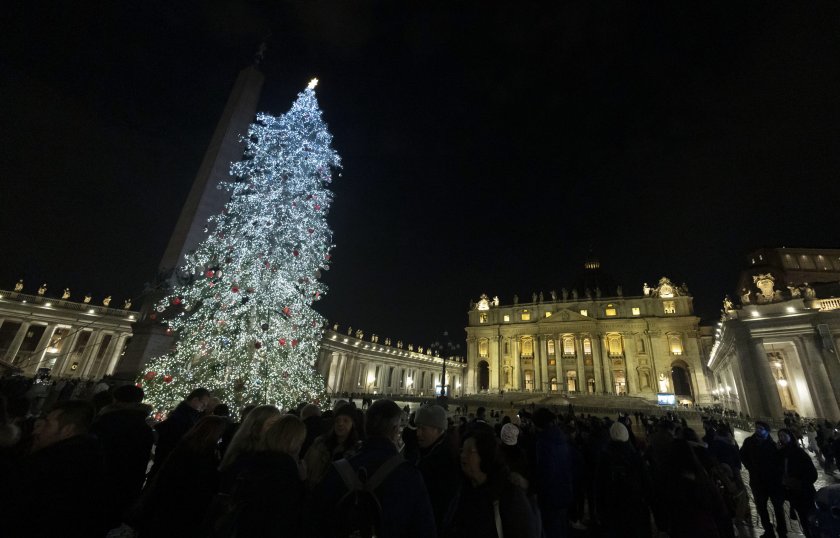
(310, 230)
(209, 273)
(295, 253)
(317, 207)
(149, 376)
(287, 311)
(294, 342)
(327, 257)
(234, 289)
(282, 341)
(153, 316)
(176, 301)
(167, 379)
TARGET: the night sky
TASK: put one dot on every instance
(487, 147)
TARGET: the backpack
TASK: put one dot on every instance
(359, 513)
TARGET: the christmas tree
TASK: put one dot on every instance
(243, 317)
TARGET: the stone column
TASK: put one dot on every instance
(581, 369)
(63, 359)
(17, 341)
(558, 359)
(768, 393)
(41, 349)
(538, 361)
(516, 363)
(824, 389)
(597, 363)
(88, 364)
(631, 368)
(115, 356)
(606, 365)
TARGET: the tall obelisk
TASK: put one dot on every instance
(149, 337)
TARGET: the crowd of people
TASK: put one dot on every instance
(103, 467)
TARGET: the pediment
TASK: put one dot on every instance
(564, 314)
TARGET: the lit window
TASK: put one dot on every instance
(482, 317)
(552, 362)
(529, 380)
(614, 345)
(571, 381)
(587, 346)
(637, 311)
(610, 311)
(507, 317)
(584, 313)
(568, 346)
(548, 314)
(483, 347)
(675, 344)
(806, 262)
(526, 315)
(527, 347)
(669, 307)
(550, 345)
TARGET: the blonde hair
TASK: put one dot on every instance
(248, 435)
(285, 434)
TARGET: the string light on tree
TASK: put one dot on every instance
(244, 323)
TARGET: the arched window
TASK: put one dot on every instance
(527, 346)
(554, 384)
(550, 345)
(590, 385)
(614, 345)
(568, 346)
(483, 347)
(587, 346)
(675, 344)
(529, 380)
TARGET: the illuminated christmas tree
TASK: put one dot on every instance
(244, 320)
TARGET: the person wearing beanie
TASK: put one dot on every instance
(438, 464)
(622, 488)
(618, 432)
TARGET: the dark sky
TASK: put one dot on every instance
(486, 146)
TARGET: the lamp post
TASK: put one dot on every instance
(442, 349)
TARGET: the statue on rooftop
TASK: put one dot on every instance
(19, 285)
(43, 289)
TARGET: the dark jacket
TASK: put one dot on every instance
(406, 511)
(441, 472)
(171, 430)
(552, 471)
(474, 514)
(56, 491)
(126, 442)
(798, 474)
(761, 458)
(270, 492)
(623, 490)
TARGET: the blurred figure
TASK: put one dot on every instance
(177, 424)
(622, 489)
(760, 456)
(798, 477)
(57, 489)
(180, 493)
(437, 463)
(248, 436)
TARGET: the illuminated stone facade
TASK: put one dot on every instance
(353, 364)
(777, 351)
(69, 338)
(584, 343)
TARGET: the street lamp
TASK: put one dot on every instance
(442, 349)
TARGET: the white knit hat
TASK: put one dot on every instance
(510, 434)
(618, 432)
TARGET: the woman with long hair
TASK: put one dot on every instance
(489, 503)
(342, 441)
(248, 435)
(177, 499)
(268, 489)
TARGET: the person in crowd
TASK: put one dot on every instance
(514, 456)
(223, 410)
(342, 441)
(552, 473)
(437, 462)
(177, 424)
(126, 441)
(248, 436)
(178, 496)
(760, 456)
(622, 488)
(488, 502)
(408, 436)
(269, 489)
(798, 477)
(310, 414)
(405, 507)
(57, 490)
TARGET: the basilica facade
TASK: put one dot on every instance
(589, 341)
